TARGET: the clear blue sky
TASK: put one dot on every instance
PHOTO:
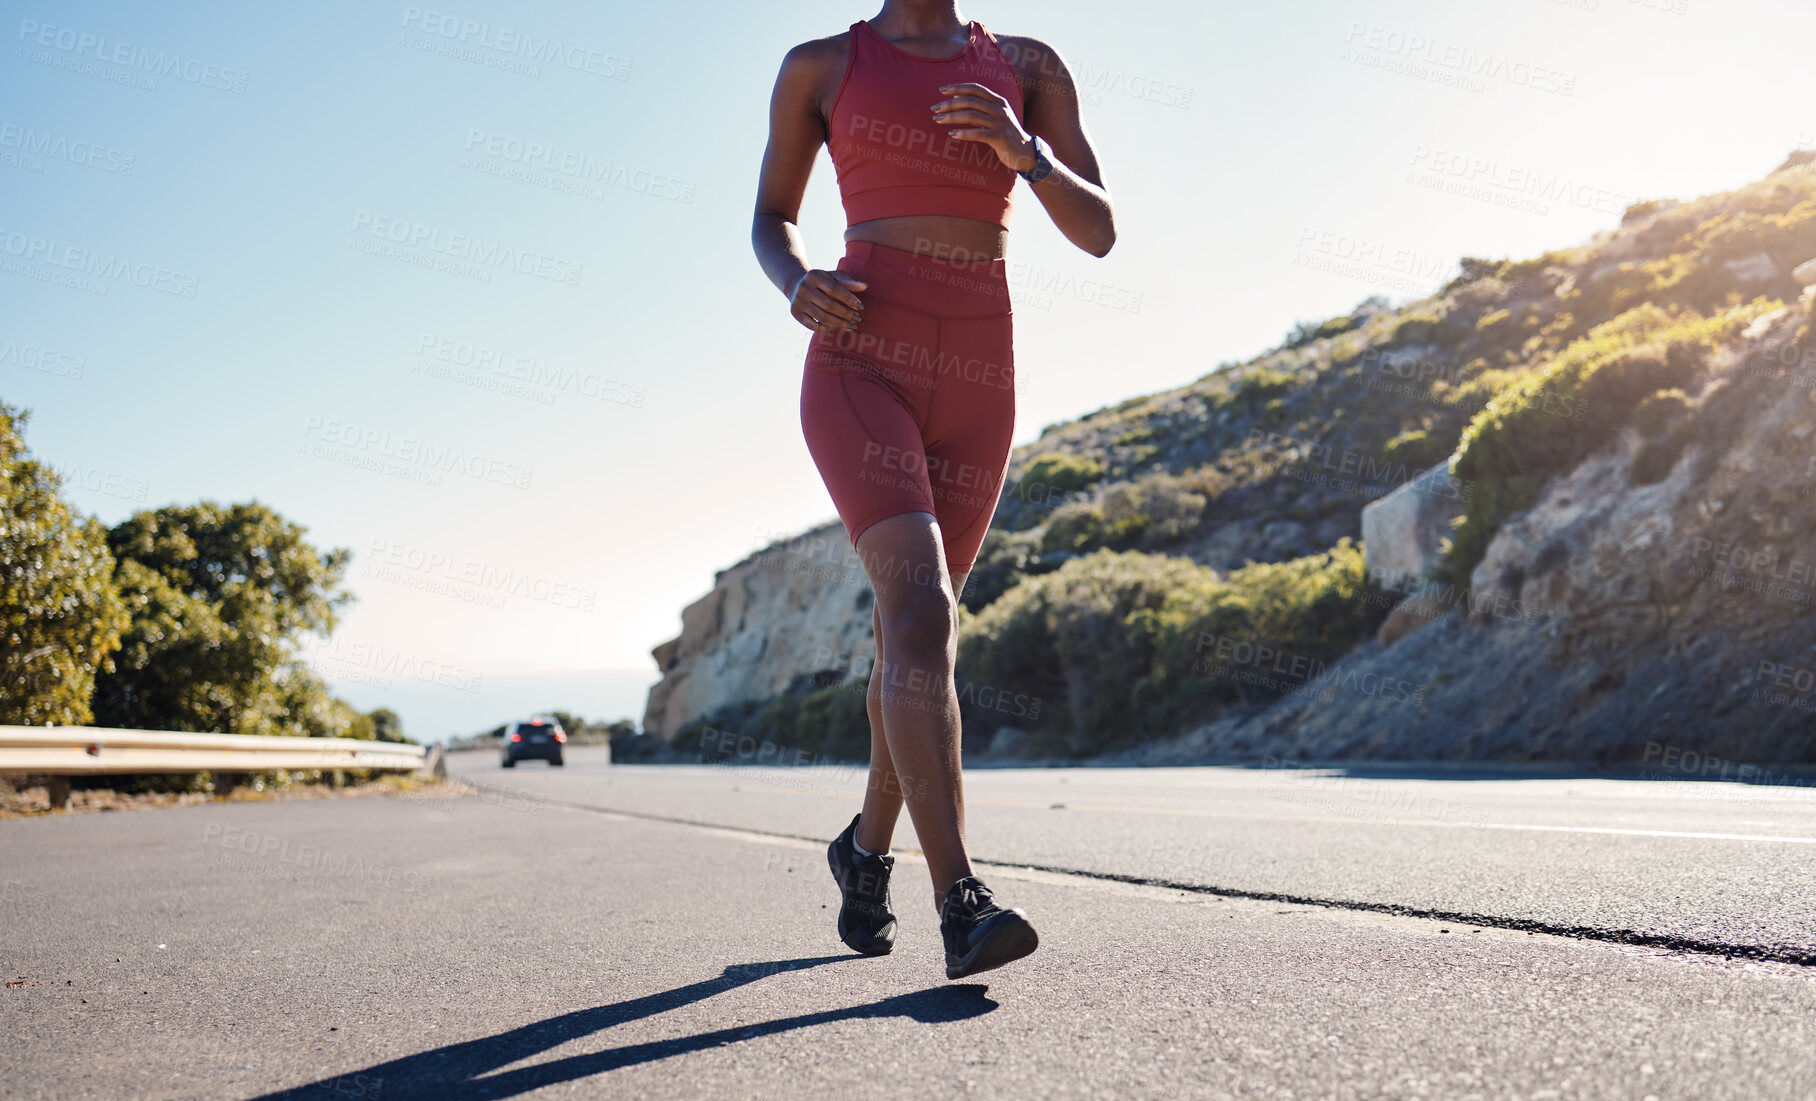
(545, 418)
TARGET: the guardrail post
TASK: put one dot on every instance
(225, 782)
(338, 778)
(435, 762)
(58, 789)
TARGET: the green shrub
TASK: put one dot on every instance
(1414, 330)
(1426, 328)
(1059, 472)
(1547, 420)
(1152, 511)
(1305, 332)
(1076, 527)
(1120, 646)
(1645, 209)
(1260, 386)
(828, 723)
(1005, 558)
(1065, 639)
(1473, 394)
(1417, 449)
(1492, 324)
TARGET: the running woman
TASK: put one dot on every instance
(908, 392)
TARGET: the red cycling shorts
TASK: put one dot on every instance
(913, 411)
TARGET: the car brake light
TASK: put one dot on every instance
(517, 737)
(560, 737)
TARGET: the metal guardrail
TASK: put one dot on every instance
(85, 750)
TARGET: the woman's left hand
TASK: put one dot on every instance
(976, 113)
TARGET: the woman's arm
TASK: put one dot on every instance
(821, 300)
(1073, 192)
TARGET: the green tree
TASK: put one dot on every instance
(220, 598)
(60, 614)
(386, 725)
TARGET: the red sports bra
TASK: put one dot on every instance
(891, 158)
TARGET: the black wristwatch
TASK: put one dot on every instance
(1042, 165)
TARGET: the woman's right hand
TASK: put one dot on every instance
(823, 301)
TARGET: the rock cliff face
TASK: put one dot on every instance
(799, 607)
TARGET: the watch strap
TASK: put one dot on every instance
(1042, 165)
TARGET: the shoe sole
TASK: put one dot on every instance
(864, 948)
(1010, 938)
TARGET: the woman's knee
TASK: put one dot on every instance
(921, 620)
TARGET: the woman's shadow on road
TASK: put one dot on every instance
(454, 1071)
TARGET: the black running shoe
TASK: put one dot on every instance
(865, 922)
(980, 934)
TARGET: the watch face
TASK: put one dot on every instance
(1042, 166)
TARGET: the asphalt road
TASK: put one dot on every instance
(550, 933)
(1706, 865)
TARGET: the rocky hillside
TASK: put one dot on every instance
(1603, 420)
(796, 611)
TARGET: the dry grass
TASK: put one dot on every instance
(28, 797)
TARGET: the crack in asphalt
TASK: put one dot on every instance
(1791, 954)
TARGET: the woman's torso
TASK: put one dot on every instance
(957, 59)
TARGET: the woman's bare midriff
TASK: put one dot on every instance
(938, 235)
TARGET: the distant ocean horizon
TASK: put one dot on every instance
(434, 712)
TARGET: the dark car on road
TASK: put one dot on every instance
(536, 740)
